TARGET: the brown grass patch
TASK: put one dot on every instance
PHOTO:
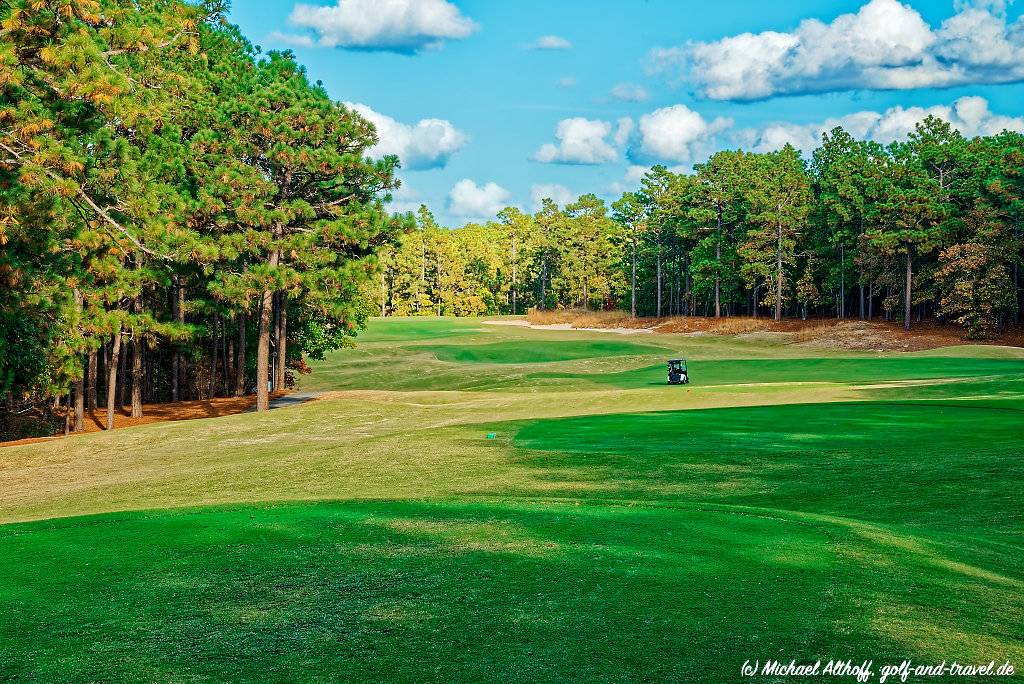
(827, 333)
(588, 319)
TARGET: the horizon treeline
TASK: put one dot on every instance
(181, 216)
(926, 227)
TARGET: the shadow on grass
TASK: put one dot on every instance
(462, 591)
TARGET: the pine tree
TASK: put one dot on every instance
(630, 214)
(716, 204)
(780, 202)
(908, 220)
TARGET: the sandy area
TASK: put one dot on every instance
(568, 326)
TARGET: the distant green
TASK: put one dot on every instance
(522, 352)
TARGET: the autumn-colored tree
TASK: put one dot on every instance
(976, 288)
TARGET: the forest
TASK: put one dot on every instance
(183, 216)
(926, 227)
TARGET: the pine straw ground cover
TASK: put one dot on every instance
(791, 503)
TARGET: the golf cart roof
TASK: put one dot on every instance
(677, 360)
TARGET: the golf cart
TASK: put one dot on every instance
(677, 374)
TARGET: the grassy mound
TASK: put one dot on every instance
(525, 352)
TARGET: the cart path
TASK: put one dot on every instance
(294, 399)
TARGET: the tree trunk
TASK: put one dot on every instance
(659, 281)
(778, 276)
(178, 312)
(860, 311)
(263, 343)
(842, 282)
(282, 344)
(80, 404)
(224, 368)
(632, 287)
(115, 357)
(383, 294)
(1016, 293)
(440, 294)
(240, 363)
(688, 306)
(106, 366)
(515, 276)
(909, 285)
(122, 372)
(137, 375)
(92, 376)
(211, 390)
(544, 281)
(228, 357)
(718, 267)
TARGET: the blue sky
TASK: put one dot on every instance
(484, 116)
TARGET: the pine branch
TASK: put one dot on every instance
(100, 211)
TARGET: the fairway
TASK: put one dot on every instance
(793, 502)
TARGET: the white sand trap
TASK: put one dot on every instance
(567, 326)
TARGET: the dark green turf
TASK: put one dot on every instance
(414, 329)
(455, 591)
(526, 351)
(845, 370)
(943, 465)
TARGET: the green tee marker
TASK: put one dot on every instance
(491, 435)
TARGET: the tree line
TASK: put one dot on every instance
(181, 215)
(929, 226)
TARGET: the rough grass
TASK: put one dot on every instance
(857, 506)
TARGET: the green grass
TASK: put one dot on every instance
(942, 466)
(791, 503)
(405, 330)
(525, 352)
(849, 370)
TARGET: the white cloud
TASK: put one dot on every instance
(560, 194)
(678, 134)
(469, 200)
(630, 92)
(393, 25)
(970, 115)
(566, 82)
(428, 144)
(551, 43)
(886, 45)
(623, 129)
(580, 141)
